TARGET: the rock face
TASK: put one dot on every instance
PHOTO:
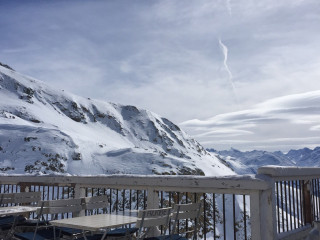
(44, 130)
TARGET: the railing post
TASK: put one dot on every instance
(307, 205)
(263, 218)
(79, 192)
(152, 199)
(153, 203)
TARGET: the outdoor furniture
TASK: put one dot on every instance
(53, 209)
(96, 223)
(12, 211)
(96, 202)
(182, 211)
(94, 205)
(22, 198)
(91, 205)
(150, 219)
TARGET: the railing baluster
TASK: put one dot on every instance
(204, 216)
(117, 200)
(170, 199)
(187, 221)
(278, 205)
(290, 209)
(301, 203)
(224, 217)
(297, 201)
(234, 216)
(282, 214)
(214, 216)
(178, 201)
(245, 217)
(286, 203)
(294, 207)
(130, 200)
(110, 201)
(303, 214)
(123, 199)
(318, 197)
(314, 205)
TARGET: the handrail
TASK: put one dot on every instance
(285, 172)
(226, 184)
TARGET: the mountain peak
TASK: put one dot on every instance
(45, 130)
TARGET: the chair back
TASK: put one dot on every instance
(90, 203)
(152, 218)
(95, 203)
(185, 211)
(12, 199)
(61, 206)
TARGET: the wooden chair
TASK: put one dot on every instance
(17, 199)
(52, 209)
(8, 223)
(150, 219)
(92, 205)
(184, 211)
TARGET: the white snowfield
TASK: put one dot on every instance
(44, 130)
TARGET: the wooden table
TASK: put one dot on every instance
(17, 210)
(100, 222)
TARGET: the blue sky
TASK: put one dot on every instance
(181, 59)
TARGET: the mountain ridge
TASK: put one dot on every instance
(44, 130)
(248, 162)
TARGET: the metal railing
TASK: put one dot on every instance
(277, 203)
(296, 202)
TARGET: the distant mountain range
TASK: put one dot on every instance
(250, 161)
(44, 130)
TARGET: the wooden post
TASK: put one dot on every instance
(255, 215)
(79, 192)
(153, 203)
(153, 199)
(263, 217)
(307, 205)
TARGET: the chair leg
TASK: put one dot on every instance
(11, 230)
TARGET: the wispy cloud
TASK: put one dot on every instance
(228, 5)
(292, 120)
(165, 55)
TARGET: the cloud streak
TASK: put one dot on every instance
(292, 120)
(224, 50)
(161, 56)
(228, 5)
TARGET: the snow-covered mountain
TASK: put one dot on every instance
(44, 130)
(250, 161)
(305, 157)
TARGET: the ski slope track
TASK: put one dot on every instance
(48, 131)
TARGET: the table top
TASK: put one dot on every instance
(17, 210)
(96, 222)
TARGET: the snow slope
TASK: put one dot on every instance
(44, 130)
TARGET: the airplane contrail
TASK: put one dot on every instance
(229, 7)
(224, 50)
